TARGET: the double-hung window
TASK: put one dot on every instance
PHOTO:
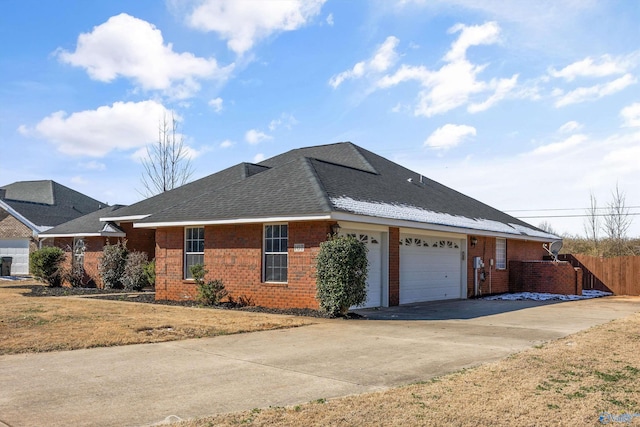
(193, 249)
(276, 262)
(501, 253)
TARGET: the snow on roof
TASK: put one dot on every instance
(413, 213)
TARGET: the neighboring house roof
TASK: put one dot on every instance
(338, 181)
(88, 225)
(45, 204)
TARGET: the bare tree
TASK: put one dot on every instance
(592, 223)
(167, 164)
(546, 226)
(617, 222)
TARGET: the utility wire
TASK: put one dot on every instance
(567, 209)
(575, 216)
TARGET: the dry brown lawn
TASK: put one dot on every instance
(568, 382)
(38, 324)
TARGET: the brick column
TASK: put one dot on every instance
(394, 266)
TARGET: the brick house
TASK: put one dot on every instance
(84, 238)
(28, 208)
(258, 227)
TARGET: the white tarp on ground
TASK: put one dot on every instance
(538, 296)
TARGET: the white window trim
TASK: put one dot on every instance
(265, 253)
(498, 267)
(185, 253)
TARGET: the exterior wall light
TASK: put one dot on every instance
(335, 228)
(474, 241)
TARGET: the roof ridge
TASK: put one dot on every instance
(317, 184)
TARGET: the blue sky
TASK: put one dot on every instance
(522, 105)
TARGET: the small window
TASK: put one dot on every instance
(501, 254)
(276, 255)
(193, 249)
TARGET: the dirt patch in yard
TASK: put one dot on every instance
(589, 378)
(29, 324)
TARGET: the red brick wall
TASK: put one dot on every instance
(545, 276)
(497, 281)
(233, 253)
(140, 239)
(93, 251)
(394, 266)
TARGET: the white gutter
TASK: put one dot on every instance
(233, 221)
(123, 218)
(343, 216)
(118, 234)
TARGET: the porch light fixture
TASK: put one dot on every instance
(474, 241)
(335, 228)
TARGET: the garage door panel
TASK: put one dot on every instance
(18, 250)
(429, 269)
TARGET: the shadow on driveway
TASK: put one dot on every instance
(449, 309)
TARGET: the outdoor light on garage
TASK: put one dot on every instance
(474, 241)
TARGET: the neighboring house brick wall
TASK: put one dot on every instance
(12, 228)
(233, 253)
(545, 276)
(497, 281)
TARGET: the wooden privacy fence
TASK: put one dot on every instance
(619, 275)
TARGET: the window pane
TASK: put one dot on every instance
(283, 230)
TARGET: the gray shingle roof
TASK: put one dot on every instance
(47, 203)
(89, 224)
(322, 180)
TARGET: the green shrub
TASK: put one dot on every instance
(134, 276)
(150, 272)
(46, 264)
(112, 264)
(211, 292)
(341, 274)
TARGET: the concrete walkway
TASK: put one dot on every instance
(147, 384)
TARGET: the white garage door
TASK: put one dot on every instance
(19, 251)
(429, 269)
(373, 241)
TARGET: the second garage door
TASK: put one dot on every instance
(373, 241)
(430, 269)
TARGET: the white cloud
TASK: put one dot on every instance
(384, 58)
(449, 136)
(631, 115)
(570, 127)
(285, 120)
(330, 19)
(557, 147)
(129, 47)
(121, 126)
(456, 83)
(475, 35)
(93, 165)
(216, 103)
(254, 136)
(587, 67)
(590, 93)
(227, 143)
(243, 24)
(258, 158)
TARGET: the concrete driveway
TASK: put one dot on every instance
(152, 383)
